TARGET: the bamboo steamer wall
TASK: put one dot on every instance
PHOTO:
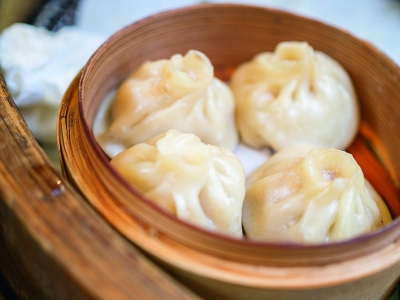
(211, 264)
(53, 245)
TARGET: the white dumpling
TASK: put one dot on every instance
(199, 183)
(180, 93)
(310, 195)
(295, 95)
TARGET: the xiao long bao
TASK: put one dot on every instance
(311, 195)
(201, 184)
(172, 130)
(180, 93)
(295, 95)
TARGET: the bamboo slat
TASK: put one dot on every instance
(53, 245)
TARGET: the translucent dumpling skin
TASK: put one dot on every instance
(178, 93)
(201, 184)
(295, 95)
(310, 195)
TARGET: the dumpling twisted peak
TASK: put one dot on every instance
(182, 75)
(295, 95)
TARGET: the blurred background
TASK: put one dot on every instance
(377, 21)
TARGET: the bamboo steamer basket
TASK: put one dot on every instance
(213, 265)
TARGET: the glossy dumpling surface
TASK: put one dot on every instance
(311, 195)
(177, 93)
(199, 183)
(295, 95)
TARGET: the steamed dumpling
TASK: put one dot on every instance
(180, 93)
(201, 184)
(295, 95)
(310, 195)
